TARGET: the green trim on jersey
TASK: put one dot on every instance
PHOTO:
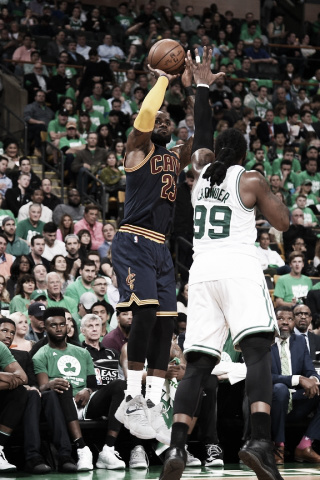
(201, 348)
(238, 193)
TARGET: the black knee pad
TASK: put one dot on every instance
(255, 347)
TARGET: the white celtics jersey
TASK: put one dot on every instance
(224, 230)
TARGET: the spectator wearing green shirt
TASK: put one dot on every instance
(96, 117)
(305, 189)
(21, 301)
(289, 179)
(70, 145)
(13, 396)
(292, 288)
(83, 283)
(31, 226)
(311, 174)
(288, 154)
(15, 246)
(309, 218)
(55, 297)
(259, 157)
(99, 104)
(57, 127)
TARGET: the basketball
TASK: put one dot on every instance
(167, 55)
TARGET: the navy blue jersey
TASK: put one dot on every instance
(151, 191)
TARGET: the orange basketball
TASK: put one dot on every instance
(167, 55)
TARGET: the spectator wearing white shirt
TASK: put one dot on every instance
(36, 197)
(53, 246)
(107, 50)
(267, 256)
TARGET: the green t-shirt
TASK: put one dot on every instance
(267, 166)
(56, 127)
(71, 142)
(97, 118)
(76, 289)
(19, 304)
(276, 166)
(74, 364)
(315, 179)
(17, 248)
(101, 106)
(311, 200)
(26, 230)
(66, 302)
(6, 356)
(288, 287)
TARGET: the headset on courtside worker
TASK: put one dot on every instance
(142, 261)
(226, 284)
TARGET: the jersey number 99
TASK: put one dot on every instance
(219, 219)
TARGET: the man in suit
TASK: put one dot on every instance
(266, 129)
(295, 389)
(35, 81)
(302, 319)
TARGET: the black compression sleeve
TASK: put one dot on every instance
(203, 136)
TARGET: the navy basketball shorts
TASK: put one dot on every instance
(145, 273)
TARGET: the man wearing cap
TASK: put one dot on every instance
(84, 306)
(116, 130)
(57, 128)
(83, 283)
(36, 328)
(305, 189)
(55, 296)
(15, 245)
(6, 260)
(39, 295)
(92, 158)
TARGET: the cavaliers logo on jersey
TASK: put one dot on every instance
(130, 279)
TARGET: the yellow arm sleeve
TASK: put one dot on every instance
(151, 104)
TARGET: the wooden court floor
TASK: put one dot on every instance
(230, 471)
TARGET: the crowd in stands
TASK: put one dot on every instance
(85, 72)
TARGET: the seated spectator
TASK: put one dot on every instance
(85, 126)
(21, 266)
(96, 70)
(55, 296)
(104, 136)
(182, 298)
(56, 45)
(66, 226)
(292, 368)
(82, 48)
(269, 259)
(21, 301)
(57, 127)
(23, 54)
(74, 58)
(50, 200)
(83, 282)
(189, 22)
(89, 222)
(36, 329)
(59, 265)
(100, 104)
(309, 218)
(11, 152)
(85, 242)
(32, 225)
(13, 397)
(40, 274)
(119, 336)
(111, 175)
(260, 104)
(310, 173)
(71, 145)
(95, 116)
(6, 260)
(37, 246)
(36, 198)
(98, 404)
(72, 330)
(22, 327)
(109, 232)
(297, 229)
(5, 182)
(74, 22)
(35, 81)
(92, 158)
(107, 50)
(72, 208)
(61, 83)
(52, 245)
(4, 296)
(37, 115)
(25, 168)
(293, 287)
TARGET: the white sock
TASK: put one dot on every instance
(154, 389)
(134, 382)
